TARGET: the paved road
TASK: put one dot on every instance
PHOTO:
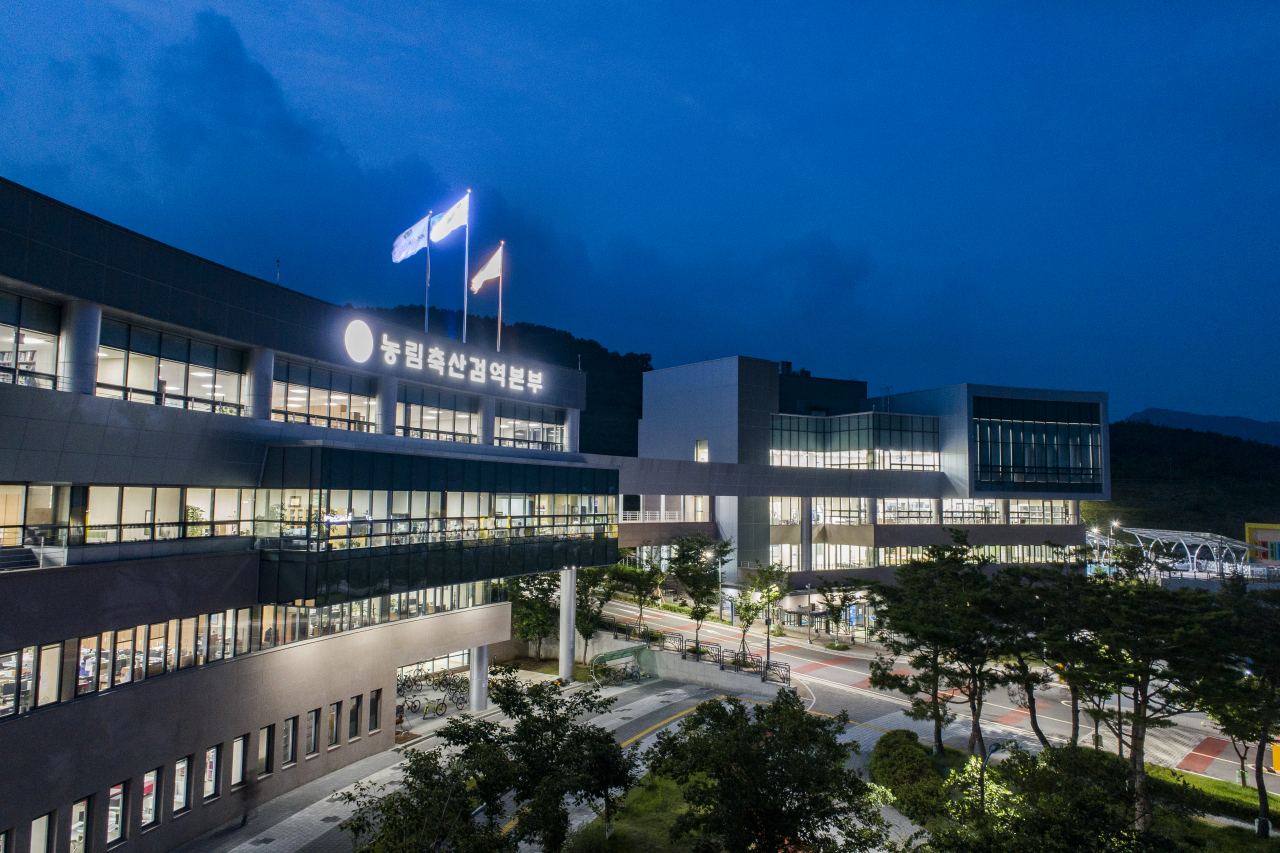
(839, 680)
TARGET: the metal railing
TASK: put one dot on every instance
(437, 435)
(529, 444)
(164, 398)
(324, 421)
(672, 641)
(653, 515)
(31, 379)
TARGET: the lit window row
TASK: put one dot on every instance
(40, 676)
(37, 515)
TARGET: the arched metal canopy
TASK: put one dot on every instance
(1221, 549)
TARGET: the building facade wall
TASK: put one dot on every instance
(59, 755)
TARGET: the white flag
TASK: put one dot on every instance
(490, 271)
(444, 224)
(408, 243)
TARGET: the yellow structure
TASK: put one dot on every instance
(1265, 536)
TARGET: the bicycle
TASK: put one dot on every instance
(413, 705)
(436, 705)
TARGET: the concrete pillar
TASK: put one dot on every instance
(937, 510)
(388, 390)
(1073, 512)
(1002, 510)
(568, 608)
(261, 371)
(479, 682)
(873, 514)
(488, 418)
(806, 534)
(78, 341)
(573, 418)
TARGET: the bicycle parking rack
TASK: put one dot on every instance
(604, 658)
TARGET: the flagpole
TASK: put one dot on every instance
(466, 268)
(500, 266)
(426, 299)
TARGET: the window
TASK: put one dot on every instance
(700, 452)
(335, 713)
(87, 666)
(375, 710)
(437, 415)
(839, 511)
(181, 784)
(353, 721)
(117, 804)
(150, 793)
(80, 826)
(266, 737)
(323, 398)
(212, 757)
(905, 511)
(869, 440)
(146, 366)
(28, 341)
(289, 742)
(238, 748)
(1037, 445)
(522, 425)
(50, 674)
(784, 510)
(313, 732)
(42, 833)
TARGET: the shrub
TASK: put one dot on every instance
(899, 763)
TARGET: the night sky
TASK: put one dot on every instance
(1064, 195)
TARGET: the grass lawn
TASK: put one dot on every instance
(1226, 798)
(1215, 839)
(643, 824)
(952, 759)
(551, 666)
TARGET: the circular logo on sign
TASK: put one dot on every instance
(359, 341)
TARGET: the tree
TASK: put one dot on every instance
(644, 578)
(1244, 697)
(765, 586)
(772, 777)
(1059, 800)
(431, 809)
(913, 620)
(533, 610)
(555, 760)
(975, 638)
(838, 600)
(1067, 639)
(1153, 646)
(595, 589)
(1023, 613)
(695, 561)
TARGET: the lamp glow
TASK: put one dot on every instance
(359, 341)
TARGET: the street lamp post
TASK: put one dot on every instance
(809, 622)
(982, 776)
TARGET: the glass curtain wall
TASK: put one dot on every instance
(905, 511)
(533, 427)
(28, 341)
(437, 415)
(868, 441)
(1037, 445)
(784, 510)
(325, 398)
(967, 511)
(146, 366)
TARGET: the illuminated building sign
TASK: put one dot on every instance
(438, 361)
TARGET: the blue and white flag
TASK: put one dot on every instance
(408, 243)
(444, 224)
(490, 271)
